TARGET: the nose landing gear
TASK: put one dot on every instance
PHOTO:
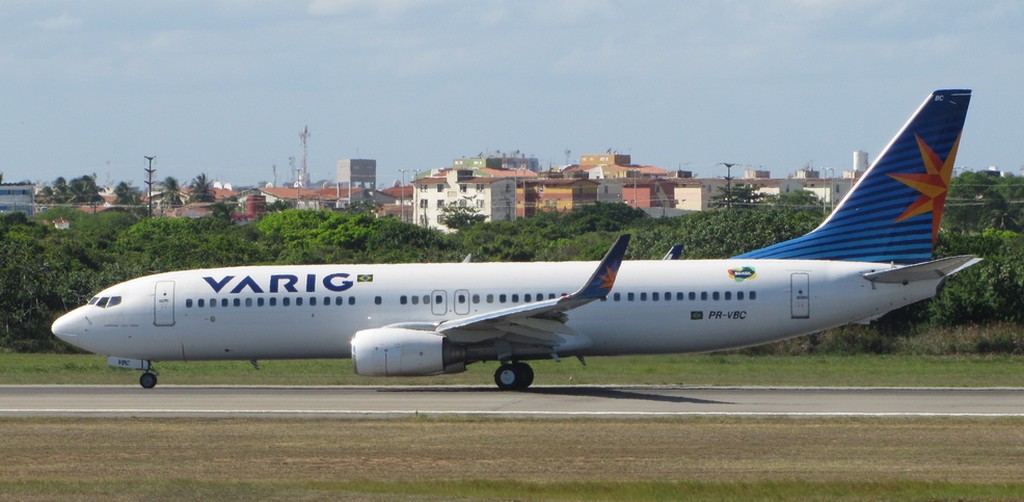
(147, 380)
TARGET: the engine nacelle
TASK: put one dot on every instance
(405, 352)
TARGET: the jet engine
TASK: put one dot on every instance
(405, 352)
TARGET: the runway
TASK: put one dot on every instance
(573, 401)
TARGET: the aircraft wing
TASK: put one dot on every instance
(541, 322)
(937, 269)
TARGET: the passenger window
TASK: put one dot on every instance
(402, 300)
(286, 301)
(248, 302)
(351, 300)
(753, 295)
(527, 298)
(728, 295)
(312, 301)
(490, 298)
(223, 302)
(327, 301)
(201, 303)
(693, 296)
(298, 302)
(668, 296)
(378, 300)
(739, 295)
(643, 297)
(630, 296)
(502, 297)
(273, 301)
(476, 298)
(704, 295)
(617, 296)
(237, 302)
(426, 299)
(338, 300)
(188, 303)
(680, 296)
(461, 299)
(259, 302)
(655, 296)
(213, 302)
(714, 296)
(515, 298)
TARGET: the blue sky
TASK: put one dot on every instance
(223, 87)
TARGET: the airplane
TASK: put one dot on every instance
(872, 255)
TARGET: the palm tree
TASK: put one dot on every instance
(171, 196)
(84, 190)
(201, 191)
(125, 195)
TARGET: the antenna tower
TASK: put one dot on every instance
(304, 175)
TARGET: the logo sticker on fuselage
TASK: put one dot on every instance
(742, 273)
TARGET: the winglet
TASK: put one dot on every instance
(674, 253)
(603, 279)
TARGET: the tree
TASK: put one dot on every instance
(739, 196)
(171, 196)
(125, 195)
(458, 217)
(797, 200)
(84, 190)
(201, 191)
(979, 201)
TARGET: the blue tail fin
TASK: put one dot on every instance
(893, 212)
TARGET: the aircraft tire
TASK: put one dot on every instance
(515, 376)
(147, 380)
(526, 372)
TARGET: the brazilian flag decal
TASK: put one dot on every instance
(696, 315)
(364, 278)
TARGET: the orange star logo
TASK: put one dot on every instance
(933, 185)
(608, 278)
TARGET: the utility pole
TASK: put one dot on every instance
(728, 183)
(149, 182)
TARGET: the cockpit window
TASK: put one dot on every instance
(105, 301)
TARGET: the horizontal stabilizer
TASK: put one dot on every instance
(928, 271)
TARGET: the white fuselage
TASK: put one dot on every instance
(313, 311)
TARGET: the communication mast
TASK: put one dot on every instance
(304, 174)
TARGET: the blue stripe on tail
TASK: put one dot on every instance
(893, 212)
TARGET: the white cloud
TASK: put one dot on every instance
(62, 22)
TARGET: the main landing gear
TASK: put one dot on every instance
(513, 376)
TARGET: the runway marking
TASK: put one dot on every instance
(506, 413)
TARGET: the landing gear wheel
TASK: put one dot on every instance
(515, 376)
(147, 380)
(526, 372)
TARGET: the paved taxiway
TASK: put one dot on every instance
(34, 401)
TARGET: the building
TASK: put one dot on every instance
(498, 160)
(495, 198)
(358, 173)
(546, 194)
(17, 198)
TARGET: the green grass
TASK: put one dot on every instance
(504, 459)
(715, 369)
(511, 490)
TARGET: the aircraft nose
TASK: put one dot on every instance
(69, 327)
